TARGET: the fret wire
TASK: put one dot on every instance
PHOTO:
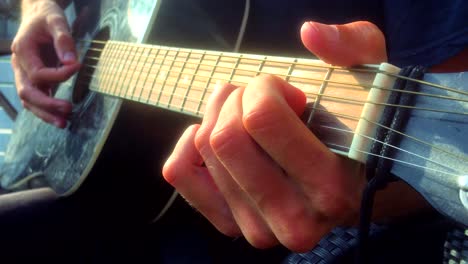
(178, 78)
(122, 48)
(319, 98)
(310, 93)
(357, 119)
(125, 69)
(364, 68)
(100, 71)
(110, 61)
(360, 101)
(272, 58)
(375, 123)
(358, 86)
(109, 73)
(234, 68)
(442, 97)
(137, 80)
(120, 72)
(157, 74)
(147, 74)
(167, 75)
(208, 84)
(372, 138)
(191, 83)
(137, 55)
(342, 115)
(290, 70)
(260, 67)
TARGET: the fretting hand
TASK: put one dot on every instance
(266, 176)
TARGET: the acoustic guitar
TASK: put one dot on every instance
(121, 76)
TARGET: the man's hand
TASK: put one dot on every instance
(43, 27)
(266, 176)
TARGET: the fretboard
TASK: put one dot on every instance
(182, 80)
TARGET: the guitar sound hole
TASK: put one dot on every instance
(89, 62)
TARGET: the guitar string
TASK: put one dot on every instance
(329, 81)
(394, 159)
(288, 76)
(462, 157)
(397, 160)
(381, 142)
(323, 95)
(197, 101)
(364, 68)
(293, 76)
(348, 117)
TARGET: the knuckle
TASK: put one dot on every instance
(299, 240)
(337, 206)
(224, 139)
(229, 228)
(202, 138)
(25, 105)
(261, 240)
(23, 94)
(33, 75)
(169, 170)
(259, 118)
(296, 228)
(56, 20)
(14, 46)
(18, 46)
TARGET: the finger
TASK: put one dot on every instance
(34, 66)
(63, 41)
(184, 171)
(247, 217)
(46, 116)
(322, 175)
(55, 75)
(345, 45)
(282, 206)
(35, 97)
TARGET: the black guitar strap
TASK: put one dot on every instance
(379, 160)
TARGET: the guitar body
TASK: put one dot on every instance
(117, 146)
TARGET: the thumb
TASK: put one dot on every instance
(63, 41)
(350, 44)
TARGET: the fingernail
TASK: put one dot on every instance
(330, 32)
(309, 26)
(69, 56)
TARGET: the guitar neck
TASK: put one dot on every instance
(182, 80)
